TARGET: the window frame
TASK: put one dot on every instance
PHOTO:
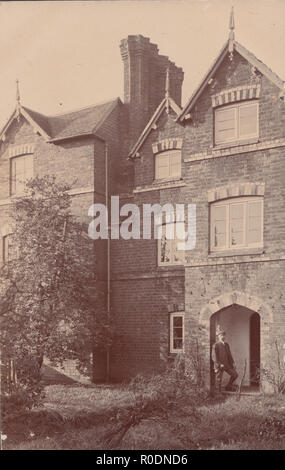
(237, 138)
(13, 178)
(228, 203)
(167, 153)
(5, 239)
(172, 245)
(172, 349)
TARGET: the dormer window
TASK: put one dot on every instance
(235, 123)
(168, 164)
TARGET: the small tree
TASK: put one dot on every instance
(48, 291)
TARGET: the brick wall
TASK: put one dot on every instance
(137, 299)
(141, 311)
(258, 275)
(80, 163)
(144, 294)
(261, 280)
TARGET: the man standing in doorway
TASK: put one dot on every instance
(223, 361)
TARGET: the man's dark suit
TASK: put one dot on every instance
(223, 361)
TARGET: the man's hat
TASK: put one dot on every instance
(220, 331)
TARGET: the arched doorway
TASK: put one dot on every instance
(242, 326)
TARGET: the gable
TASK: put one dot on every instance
(82, 122)
(19, 132)
(228, 53)
(167, 107)
(235, 81)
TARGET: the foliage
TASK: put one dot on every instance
(48, 293)
(16, 404)
(273, 371)
(273, 427)
(196, 363)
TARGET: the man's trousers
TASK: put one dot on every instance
(219, 376)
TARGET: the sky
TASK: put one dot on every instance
(66, 53)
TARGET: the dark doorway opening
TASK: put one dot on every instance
(212, 342)
(242, 326)
(254, 349)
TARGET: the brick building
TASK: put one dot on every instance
(223, 152)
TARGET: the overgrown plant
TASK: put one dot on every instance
(154, 397)
(274, 373)
(48, 291)
(195, 363)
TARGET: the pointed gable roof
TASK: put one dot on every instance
(166, 103)
(30, 117)
(85, 121)
(38, 118)
(251, 58)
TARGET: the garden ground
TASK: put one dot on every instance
(82, 417)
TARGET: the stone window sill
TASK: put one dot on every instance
(170, 267)
(161, 184)
(238, 143)
(241, 252)
(161, 181)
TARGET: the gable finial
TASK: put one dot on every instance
(18, 99)
(167, 89)
(232, 25)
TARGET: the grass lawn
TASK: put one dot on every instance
(80, 417)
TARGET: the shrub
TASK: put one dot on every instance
(154, 397)
(274, 372)
(26, 391)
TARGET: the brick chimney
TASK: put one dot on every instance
(144, 81)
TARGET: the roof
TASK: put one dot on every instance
(165, 104)
(85, 121)
(251, 58)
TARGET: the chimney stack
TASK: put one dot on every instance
(144, 81)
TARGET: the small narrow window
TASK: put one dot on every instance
(21, 171)
(172, 234)
(168, 164)
(6, 248)
(176, 332)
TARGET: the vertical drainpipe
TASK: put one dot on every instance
(108, 258)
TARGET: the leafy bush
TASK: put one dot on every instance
(19, 403)
(15, 404)
(25, 392)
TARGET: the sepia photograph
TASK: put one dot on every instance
(142, 228)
